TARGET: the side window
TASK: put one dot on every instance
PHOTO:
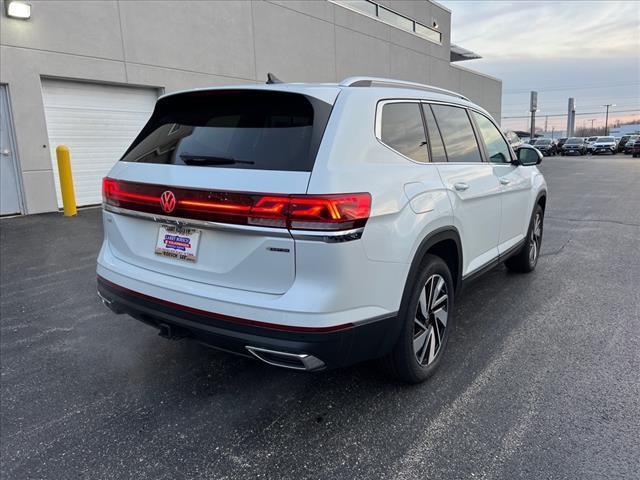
(402, 130)
(457, 133)
(438, 153)
(497, 148)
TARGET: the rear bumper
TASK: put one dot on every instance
(335, 346)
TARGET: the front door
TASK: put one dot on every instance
(9, 196)
(515, 184)
(471, 184)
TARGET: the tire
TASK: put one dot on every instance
(526, 259)
(423, 337)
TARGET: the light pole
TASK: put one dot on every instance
(606, 119)
(533, 108)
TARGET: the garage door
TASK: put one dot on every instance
(97, 122)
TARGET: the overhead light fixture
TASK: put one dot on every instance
(17, 9)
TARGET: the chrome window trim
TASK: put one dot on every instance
(319, 236)
(378, 128)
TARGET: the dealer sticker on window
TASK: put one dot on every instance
(177, 242)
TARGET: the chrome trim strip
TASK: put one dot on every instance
(188, 222)
(328, 237)
(319, 236)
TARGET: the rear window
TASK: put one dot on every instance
(402, 130)
(261, 130)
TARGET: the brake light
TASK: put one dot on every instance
(296, 212)
(329, 212)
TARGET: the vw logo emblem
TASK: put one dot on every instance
(168, 201)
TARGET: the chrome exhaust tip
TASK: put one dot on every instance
(293, 361)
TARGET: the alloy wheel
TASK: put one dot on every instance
(430, 320)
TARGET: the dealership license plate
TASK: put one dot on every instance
(178, 242)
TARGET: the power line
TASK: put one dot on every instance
(588, 98)
(564, 114)
(560, 89)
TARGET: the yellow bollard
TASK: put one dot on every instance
(66, 181)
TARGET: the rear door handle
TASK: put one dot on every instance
(461, 186)
(505, 181)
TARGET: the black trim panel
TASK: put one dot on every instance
(336, 346)
(493, 263)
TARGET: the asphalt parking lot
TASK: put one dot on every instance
(541, 377)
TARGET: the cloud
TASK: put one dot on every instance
(547, 29)
(586, 50)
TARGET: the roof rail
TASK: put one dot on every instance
(388, 82)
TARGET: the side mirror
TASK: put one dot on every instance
(528, 155)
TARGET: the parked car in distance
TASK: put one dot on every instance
(546, 146)
(574, 145)
(623, 141)
(628, 147)
(604, 145)
(589, 143)
(315, 226)
(561, 142)
(514, 140)
(635, 151)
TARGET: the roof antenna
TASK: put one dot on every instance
(271, 78)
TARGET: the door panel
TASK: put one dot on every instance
(476, 210)
(515, 183)
(9, 193)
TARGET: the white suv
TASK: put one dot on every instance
(316, 225)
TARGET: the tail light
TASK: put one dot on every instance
(296, 212)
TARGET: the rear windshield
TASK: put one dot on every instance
(251, 129)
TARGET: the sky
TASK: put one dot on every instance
(589, 50)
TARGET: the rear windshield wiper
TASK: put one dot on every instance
(193, 159)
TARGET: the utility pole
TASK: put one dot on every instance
(553, 129)
(606, 118)
(546, 122)
(592, 120)
(533, 106)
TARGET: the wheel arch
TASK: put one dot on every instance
(445, 243)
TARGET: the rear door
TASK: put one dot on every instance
(473, 188)
(178, 200)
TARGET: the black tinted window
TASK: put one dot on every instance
(403, 131)
(457, 133)
(261, 130)
(438, 153)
